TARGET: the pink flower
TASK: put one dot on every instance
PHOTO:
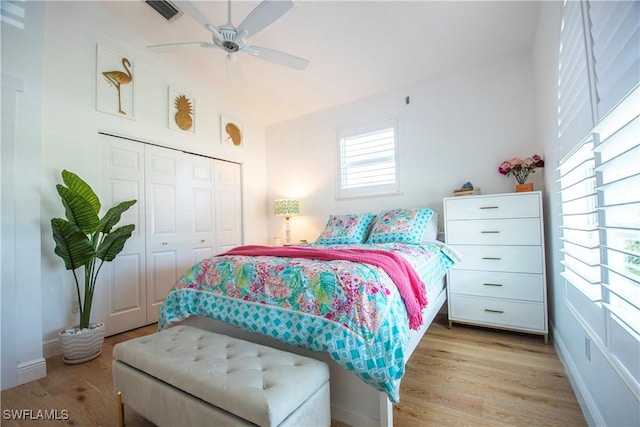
(520, 168)
(504, 168)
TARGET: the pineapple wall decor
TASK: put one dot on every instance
(115, 83)
(182, 109)
(231, 131)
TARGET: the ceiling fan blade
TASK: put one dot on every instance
(234, 72)
(264, 15)
(190, 9)
(278, 57)
(176, 47)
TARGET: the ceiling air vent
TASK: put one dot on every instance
(165, 8)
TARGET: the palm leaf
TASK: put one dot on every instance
(113, 242)
(75, 183)
(112, 217)
(226, 271)
(78, 210)
(294, 281)
(72, 245)
(328, 285)
(244, 275)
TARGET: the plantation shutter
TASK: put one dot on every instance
(616, 44)
(368, 160)
(575, 118)
(599, 176)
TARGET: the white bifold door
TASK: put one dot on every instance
(189, 208)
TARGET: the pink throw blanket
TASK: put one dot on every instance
(409, 284)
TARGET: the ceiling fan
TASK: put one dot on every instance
(233, 39)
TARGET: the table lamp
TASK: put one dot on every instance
(286, 208)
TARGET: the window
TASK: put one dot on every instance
(367, 160)
(599, 175)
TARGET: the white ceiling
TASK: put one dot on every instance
(355, 48)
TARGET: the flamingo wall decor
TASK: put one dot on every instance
(115, 72)
(117, 78)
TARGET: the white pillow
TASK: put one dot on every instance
(431, 230)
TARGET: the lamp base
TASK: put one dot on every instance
(287, 230)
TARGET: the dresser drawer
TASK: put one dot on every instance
(520, 206)
(524, 231)
(516, 259)
(510, 314)
(528, 287)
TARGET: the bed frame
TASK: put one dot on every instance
(352, 401)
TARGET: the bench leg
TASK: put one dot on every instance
(120, 410)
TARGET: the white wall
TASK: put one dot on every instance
(603, 395)
(455, 129)
(71, 123)
(62, 133)
(21, 325)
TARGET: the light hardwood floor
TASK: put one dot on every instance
(463, 376)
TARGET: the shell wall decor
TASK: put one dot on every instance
(231, 131)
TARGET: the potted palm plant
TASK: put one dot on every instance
(86, 241)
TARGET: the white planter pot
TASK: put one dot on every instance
(81, 345)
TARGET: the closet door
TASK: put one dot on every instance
(199, 227)
(165, 213)
(228, 190)
(189, 208)
(121, 299)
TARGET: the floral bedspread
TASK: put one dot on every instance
(352, 311)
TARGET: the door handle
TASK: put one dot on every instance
(491, 258)
(493, 284)
(493, 311)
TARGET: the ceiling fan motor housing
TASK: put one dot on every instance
(229, 41)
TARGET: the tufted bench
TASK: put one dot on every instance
(185, 376)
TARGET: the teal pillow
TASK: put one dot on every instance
(400, 225)
(346, 229)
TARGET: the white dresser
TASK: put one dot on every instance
(501, 280)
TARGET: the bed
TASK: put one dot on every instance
(360, 298)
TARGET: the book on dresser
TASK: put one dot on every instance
(501, 280)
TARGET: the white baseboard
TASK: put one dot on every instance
(589, 408)
(31, 370)
(351, 418)
(51, 348)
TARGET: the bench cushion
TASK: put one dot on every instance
(257, 383)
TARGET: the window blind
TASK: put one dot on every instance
(599, 175)
(617, 154)
(616, 43)
(368, 161)
(575, 117)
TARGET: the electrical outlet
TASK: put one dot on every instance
(587, 348)
(75, 307)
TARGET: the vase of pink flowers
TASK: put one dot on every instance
(520, 169)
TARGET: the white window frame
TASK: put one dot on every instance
(390, 186)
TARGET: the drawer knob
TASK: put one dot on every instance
(489, 207)
(492, 284)
(491, 258)
(493, 311)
